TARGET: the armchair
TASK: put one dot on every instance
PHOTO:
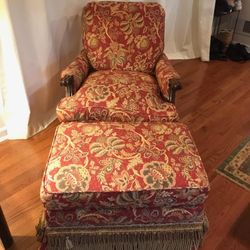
(121, 73)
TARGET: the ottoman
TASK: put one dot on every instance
(124, 186)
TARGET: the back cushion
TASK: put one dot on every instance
(123, 35)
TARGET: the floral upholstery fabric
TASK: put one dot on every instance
(123, 35)
(186, 197)
(78, 69)
(164, 71)
(122, 96)
(121, 165)
(122, 216)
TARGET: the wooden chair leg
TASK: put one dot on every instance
(4, 231)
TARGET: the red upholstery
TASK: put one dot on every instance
(164, 72)
(79, 69)
(123, 35)
(120, 158)
(122, 96)
(116, 166)
(90, 216)
(129, 37)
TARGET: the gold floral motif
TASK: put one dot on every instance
(130, 104)
(142, 42)
(121, 180)
(73, 155)
(109, 146)
(97, 93)
(72, 178)
(152, 151)
(93, 42)
(180, 144)
(190, 162)
(159, 128)
(155, 102)
(109, 163)
(158, 175)
(116, 54)
(91, 130)
(61, 141)
(132, 22)
(88, 17)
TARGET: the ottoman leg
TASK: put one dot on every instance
(4, 231)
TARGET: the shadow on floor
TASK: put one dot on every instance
(240, 229)
(24, 243)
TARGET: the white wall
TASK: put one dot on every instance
(3, 132)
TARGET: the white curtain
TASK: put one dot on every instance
(188, 28)
(39, 38)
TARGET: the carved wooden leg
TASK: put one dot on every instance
(174, 85)
(4, 231)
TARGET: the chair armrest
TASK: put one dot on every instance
(168, 78)
(74, 74)
(174, 85)
(68, 82)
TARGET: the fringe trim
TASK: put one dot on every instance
(138, 237)
(41, 229)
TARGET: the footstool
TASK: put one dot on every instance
(124, 186)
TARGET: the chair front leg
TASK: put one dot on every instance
(5, 235)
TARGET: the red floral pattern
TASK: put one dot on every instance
(119, 165)
(122, 216)
(123, 35)
(78, 69)
(155, 198)
(120, 36)
(122, 96)
(164, 71)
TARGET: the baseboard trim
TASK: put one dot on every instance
(3, 134)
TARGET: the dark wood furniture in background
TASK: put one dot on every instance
(5, 235)
(217, 22)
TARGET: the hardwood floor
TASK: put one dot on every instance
(214, 102)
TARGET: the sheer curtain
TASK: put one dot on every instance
(188, 28)
(38, 39)
(41, 37)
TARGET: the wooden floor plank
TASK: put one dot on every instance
(214, 103)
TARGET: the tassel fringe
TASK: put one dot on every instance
(186, 236)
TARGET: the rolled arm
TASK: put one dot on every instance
(75, 73)
(168, 78)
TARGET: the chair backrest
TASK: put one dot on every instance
(123, 35)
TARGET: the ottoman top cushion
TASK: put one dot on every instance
(121, 164)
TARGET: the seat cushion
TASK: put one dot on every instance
(123, 165)
(122, 96)
(123, 35)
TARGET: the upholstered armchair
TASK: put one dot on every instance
(121, 73)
